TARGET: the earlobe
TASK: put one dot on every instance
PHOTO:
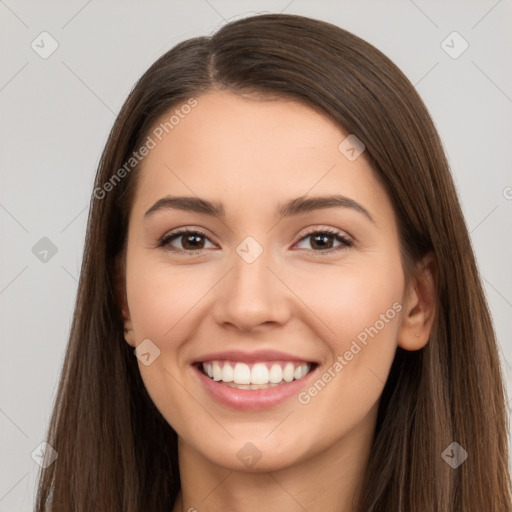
(129, 337)
(122, 301)
(420, 306)
(128, 327)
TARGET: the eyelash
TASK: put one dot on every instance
(166, 239)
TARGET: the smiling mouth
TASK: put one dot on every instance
(258, 375)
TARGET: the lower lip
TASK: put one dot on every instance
(252, 399)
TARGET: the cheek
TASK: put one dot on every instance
(358, 310)
(351, 298)
(161, 300)
(161, 295)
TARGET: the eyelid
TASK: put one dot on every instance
(310, 230)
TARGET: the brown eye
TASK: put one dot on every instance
(324, 240)
(189, 240)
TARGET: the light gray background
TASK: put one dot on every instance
(56, 114)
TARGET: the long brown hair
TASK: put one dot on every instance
(115, 450)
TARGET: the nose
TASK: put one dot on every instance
(252, 295)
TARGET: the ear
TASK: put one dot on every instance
(420, 306)
(122, 299)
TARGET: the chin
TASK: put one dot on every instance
(252, 458)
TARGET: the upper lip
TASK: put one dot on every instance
(250, 357)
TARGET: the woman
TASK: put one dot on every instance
(278, 305)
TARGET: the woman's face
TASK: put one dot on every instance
(271, 285)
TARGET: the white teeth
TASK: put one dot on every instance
(288, 372)
(227, 373)
(216, 371)
(260, 376)
(249, 386)
(242, 374)
(276, 374)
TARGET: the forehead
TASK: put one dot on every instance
(251, 151)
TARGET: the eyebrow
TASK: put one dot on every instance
(294, 207)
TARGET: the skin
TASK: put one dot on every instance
(253, 155)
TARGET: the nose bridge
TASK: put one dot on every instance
(250, 293)
(250, 273)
